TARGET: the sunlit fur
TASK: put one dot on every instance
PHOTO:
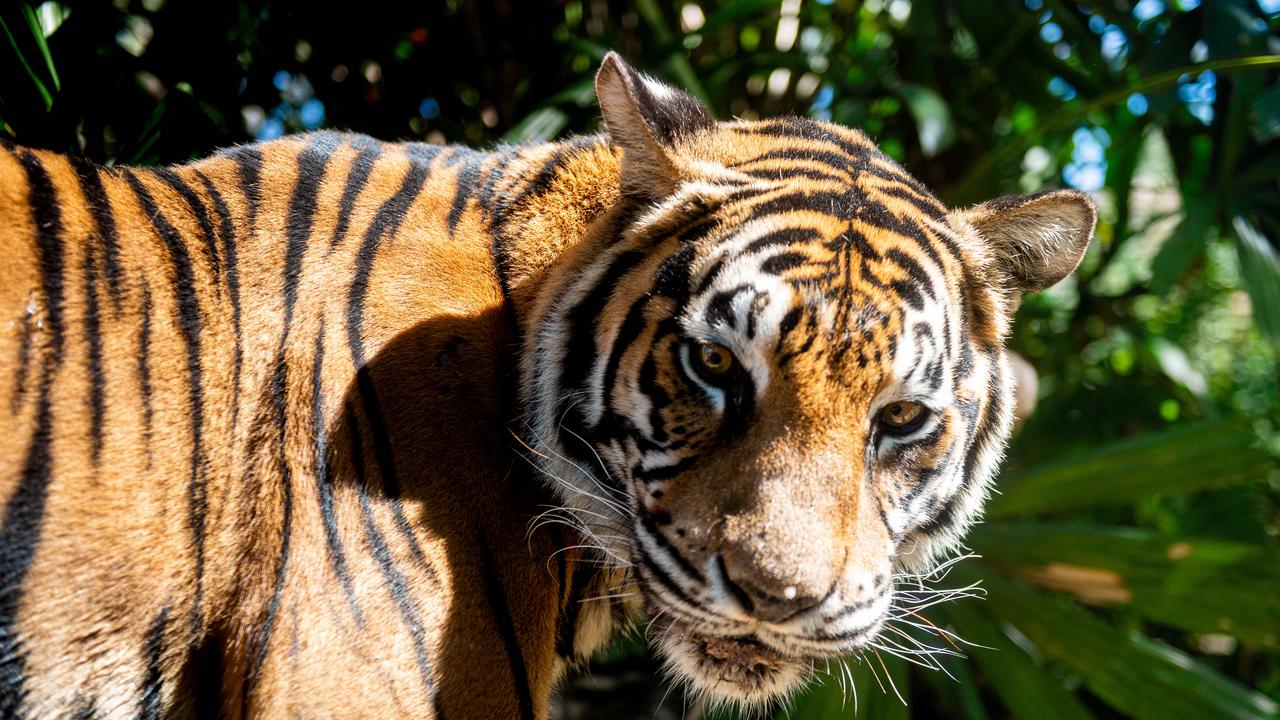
(327, 427)
(772, 507)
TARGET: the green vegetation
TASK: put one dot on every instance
(1130, 563)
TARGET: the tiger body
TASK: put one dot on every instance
(289, 425)
(230, 499)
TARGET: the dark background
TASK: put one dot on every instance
(1131, 560)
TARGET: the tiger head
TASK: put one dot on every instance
(776, 382)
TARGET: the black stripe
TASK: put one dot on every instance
(144, 370)
(567, 625)
(259, 646)
(384, 454)
(720, 306)
(913, 270)
(783, 236)
(782, 262)
(675, 271)
(204, 672)
(151, 693)
(24, 361)
(19, 535)
(24, 513)
(48, 225)
(385, 224)
(507, 629)
(671, 550)
(908, 292)
(852, 202)
(93, 339)
(311, 168)
(488, 190)
(658, 396)
(249, 164)
(542, 180)
(834, 160)
(397, 584)
(95, 195)
(180, 186)
(580, 350)
(357, 177)
(925, 204)
(652, 566)
(789, 171)
(184, 286)
(465, 187)
(743, 598)
(759, 302)
(311, 163)
(227, 231)
(981, 434)
(539, 184)
(663, 472)
(861, 158)
(324, 487)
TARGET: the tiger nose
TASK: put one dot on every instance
(773, 601)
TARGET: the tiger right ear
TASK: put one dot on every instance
(1035, 240)
(645, 119)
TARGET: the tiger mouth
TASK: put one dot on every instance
(741, 669)
(741, 658)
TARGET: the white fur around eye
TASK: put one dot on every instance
(715, 394)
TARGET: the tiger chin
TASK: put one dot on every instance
(330, 427)
(796, 390)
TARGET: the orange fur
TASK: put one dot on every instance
(258, 459)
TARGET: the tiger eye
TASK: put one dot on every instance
(715, 359)
(900, 414)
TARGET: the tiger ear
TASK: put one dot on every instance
(645, 119)
(1034, 240)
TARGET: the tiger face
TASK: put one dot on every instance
(776, 381)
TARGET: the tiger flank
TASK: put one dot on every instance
(330, 427)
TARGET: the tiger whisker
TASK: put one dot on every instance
(612, 504)
(920, 647)
(889, 676)
(611, 596)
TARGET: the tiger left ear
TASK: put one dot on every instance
(645, 119)
(1034, 240)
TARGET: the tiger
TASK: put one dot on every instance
(324, 426)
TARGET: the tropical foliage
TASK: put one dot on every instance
(1129, 563)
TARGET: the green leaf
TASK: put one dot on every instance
(1134, 674)
(735, 12)
(51, 15)
(978, 178)
(581, 92)
(1184, 244)
(1182, 459)
(1161, 579)
(1260, 268)
(26, 66)
(38, 34)
(1262, 171)
(540, 125)
(1024, 687)
(933, 118)
(957, 690)
(1266, 111)
(1177, 365)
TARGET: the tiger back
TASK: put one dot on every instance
(325, 426)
